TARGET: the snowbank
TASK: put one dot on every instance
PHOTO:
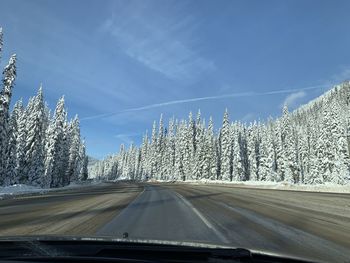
(21, 189)
(327, 187)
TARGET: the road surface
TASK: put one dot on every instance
(313, 225)
(78, 211)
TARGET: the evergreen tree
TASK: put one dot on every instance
(237, 159)
(251, 152)
(55, 148)
(21, 162)
(212, 153)
(190, 147)
(303, 156)
(144, 158)
(9, 75)
(11, 165)
(35, 139)
(76, 158)
(225, 149)
(160, 150)
(82, 166)
(153, 151)
(325, 147)
(180, 146)
(288, 144)
(340, 148)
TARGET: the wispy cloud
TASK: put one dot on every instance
(127, 138)
(343, 75)
(218, 97)
(163, 45)
(248, 117)
(293, 98)
(131, 134)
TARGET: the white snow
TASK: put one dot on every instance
(19, 189)
(326, 187)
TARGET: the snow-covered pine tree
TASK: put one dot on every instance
(206, 151)
(11, 165)
(153, 151)
(237, 157)
(303, 154)
(315, 175)
(171, 149)
(270, 157)
(341, 151)
(288, 144)
(55, 165)
(226, 149)
(263, 167)
(325, 146)
(75, 160)
(131, 162)
(266, 172)
(180, 146)
(212, 152)
(83, 163)
(279, 155)
(199, 165)
(251, 152)
(144, 157)
(21, 144)
(190, 147)
(160, 150)
(137, 163)
(35, 139)
(198, 130)
(9, 76)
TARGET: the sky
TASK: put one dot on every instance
(120, 64)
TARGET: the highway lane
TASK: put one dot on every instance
(78, 211)
(313, 225)
(161, 214)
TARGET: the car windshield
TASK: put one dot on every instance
(205, 123)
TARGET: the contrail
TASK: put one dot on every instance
(224, 96)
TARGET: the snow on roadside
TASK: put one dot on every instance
(327, 187)
(21, 189)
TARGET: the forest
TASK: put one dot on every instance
(307, 146)
(36, 147)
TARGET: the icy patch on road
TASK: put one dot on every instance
(326, 187)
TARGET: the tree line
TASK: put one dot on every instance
(36, 147)
(308, 146)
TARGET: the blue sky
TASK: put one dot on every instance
(121, 64)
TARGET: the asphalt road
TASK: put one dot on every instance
(304, 224)
(78, 211)
(162, 214)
